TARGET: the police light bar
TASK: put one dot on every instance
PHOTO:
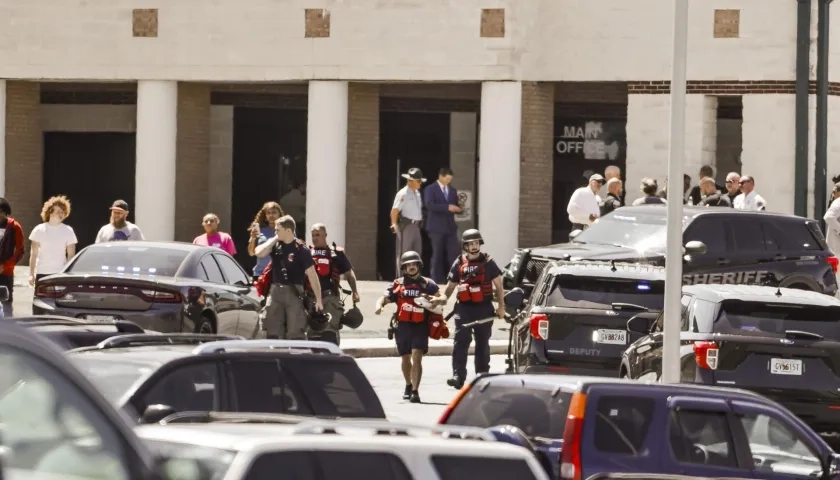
(643, 287)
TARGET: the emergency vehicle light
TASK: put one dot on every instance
(643, 287)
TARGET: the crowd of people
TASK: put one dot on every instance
(586, 205)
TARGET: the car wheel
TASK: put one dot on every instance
(205, 325)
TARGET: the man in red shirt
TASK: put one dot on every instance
(11, 251)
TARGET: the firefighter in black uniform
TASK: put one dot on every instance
(412, 330)
(475, 275)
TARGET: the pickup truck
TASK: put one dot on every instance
(585, 426)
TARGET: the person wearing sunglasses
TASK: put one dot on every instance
(749, 199)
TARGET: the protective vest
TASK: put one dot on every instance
(281, 263)
(407, 310)
(325, 264)
(474, 286)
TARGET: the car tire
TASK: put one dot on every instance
(205, 325)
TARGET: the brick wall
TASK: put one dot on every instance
(193, 159)
(24, 154)
(362, 178)
(537, 166)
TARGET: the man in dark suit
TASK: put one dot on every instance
(441, 201)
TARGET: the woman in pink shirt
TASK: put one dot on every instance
(213, 237)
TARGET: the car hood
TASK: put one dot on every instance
(594, 251)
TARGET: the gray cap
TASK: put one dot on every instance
(597, 178)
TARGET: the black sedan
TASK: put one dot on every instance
(161, 286)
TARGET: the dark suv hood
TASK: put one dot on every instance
(592, 251)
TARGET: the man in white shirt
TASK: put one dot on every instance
(749, 199)
(584, 206)
(832, 222)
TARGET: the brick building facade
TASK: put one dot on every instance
(188, 108)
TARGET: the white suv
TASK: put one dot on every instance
(338, 450)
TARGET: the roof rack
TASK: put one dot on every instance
(122, 326)
(162, 339)
(237, 417)
(242, 344)
(384, 427)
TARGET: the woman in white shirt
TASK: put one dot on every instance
(53, 242)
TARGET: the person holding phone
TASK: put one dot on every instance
(261, 230)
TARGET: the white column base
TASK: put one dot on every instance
(498, 168)
(157, 140)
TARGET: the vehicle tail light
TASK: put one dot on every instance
(159, 296)
(454, 403)
(706, 355)
(50, 291)
(539, 326)
(570, 464)
(834, 262)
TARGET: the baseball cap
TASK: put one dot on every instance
(120, 205)
(596, 178)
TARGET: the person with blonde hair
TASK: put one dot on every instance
(53, 242)
(212, 237)
(261, 230)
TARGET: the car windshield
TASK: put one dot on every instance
(215, 461)
(116, 259)
(743, 317)
(537, 412)
(595, 292)
(642, 232)
(110, 376)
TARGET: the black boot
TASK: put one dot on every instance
(415, 397)
(407, 392)
(455, 382)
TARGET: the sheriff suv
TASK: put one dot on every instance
(576, 320)
(722, 246)
(781, 343)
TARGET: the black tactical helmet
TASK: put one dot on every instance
(352, 318)
(318, 321)
(471, 235)
(410, 257)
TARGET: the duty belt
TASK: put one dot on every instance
(410, 221)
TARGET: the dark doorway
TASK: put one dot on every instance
(269, 157)
(408, 139)
(92, 170)
(587, 140)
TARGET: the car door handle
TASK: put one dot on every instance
(723, 261)
(779, 257)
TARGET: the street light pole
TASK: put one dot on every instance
(674, 252)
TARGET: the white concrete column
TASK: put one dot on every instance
(326, 158)
(498, 168)
(157, 141)
(2, 138)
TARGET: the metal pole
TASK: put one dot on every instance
(674, 253)
(821, 160)
(803, 46)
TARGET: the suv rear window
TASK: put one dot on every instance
(451, 467)
(596, 292)
(334, 385)
(742, 317)
(536, 412)
(328, 465)
(116, 259)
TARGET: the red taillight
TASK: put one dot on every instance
(50, 291)
(570, 464)
(158, 296)
(834, 262)
(706, 355)
(539, 326)
(454, 403)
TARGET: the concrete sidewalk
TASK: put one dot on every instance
(382, 347)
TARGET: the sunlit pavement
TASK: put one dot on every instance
(386, 377)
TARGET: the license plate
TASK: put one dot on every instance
(100, 318)
(613, 337)
(783, 366)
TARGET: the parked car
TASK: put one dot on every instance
(722, 246)
(779, 342)
(590, 426)
(357, 450)
(576, 320)
(154, 376)
(161, 286)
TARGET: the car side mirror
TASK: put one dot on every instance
(515, 298)
(833, 467)
(695, 247)
(156, 413)
(574, 234)
(4, 294)
(641, 323)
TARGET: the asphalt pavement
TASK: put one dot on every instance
(386, 377)
(374, 326)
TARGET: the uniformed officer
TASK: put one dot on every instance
(291, 262)
(412, 334)
(711, 196)
(613, 198)
(330, 264)
(475, 275)
(407, 214)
